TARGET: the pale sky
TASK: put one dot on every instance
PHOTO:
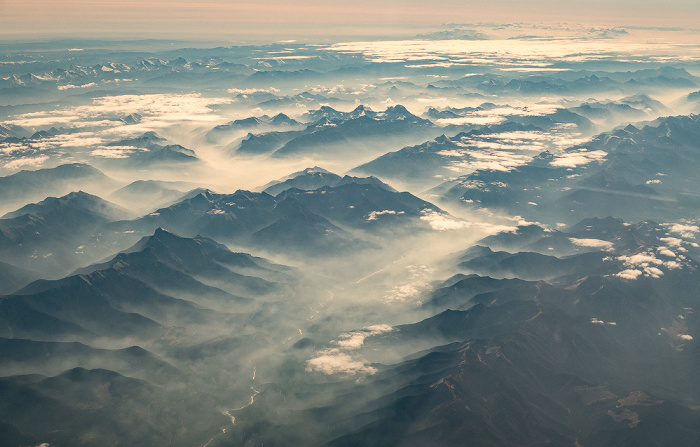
(275, 19)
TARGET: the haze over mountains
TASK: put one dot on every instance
(399, 242)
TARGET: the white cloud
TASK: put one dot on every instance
(672, 241)
(374, 214)
(653, 272)
(329, 90)
(595, 243)
(684, 230)
(250, 91)
(491, 160)
(335, 361)
(26, 162)
(535, 69)
(597, 321)
(283, 58)
(451, 153)
(577, 158)
(418, 281)
(490, 229)
(505, 151)
(332, 361)
(531, 52)
(70, 86)
(355, 339)
(404, 292)
(629, 274)
(672, 265)
(640, 259)
(472, 184)
(111, 153)
(41, 120)
(664, 251)
(474, 119)
(645, 263)
(157, 109)
(443, 222)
